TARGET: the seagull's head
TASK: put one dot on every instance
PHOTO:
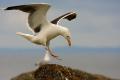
(66, 34)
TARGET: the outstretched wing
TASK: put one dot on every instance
(69, 16)
(24, 8)
(37, 16)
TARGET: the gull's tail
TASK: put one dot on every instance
(26, 36)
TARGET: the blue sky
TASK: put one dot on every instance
(97, 26)
(97, 23)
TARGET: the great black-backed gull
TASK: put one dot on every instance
(44, 30)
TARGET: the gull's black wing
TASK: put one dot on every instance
(69, 16)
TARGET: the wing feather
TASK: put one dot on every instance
(24, 8)
(69, 16)
(37, 16)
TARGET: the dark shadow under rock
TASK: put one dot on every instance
(58, 72)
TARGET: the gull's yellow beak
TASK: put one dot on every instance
(69, 40)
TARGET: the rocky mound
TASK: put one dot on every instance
(58, 72)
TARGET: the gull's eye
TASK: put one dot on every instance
(68, 36)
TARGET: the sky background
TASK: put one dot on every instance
(95, 37)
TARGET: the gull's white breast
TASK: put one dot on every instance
(49, 32)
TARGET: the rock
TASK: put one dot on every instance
(25, 76)
(58, 72)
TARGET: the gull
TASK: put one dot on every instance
(43, 30)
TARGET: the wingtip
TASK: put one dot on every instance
(72, 12)
(8, 8)
(11, 8)
(71, 16)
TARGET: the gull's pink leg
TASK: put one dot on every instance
(51, 53)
